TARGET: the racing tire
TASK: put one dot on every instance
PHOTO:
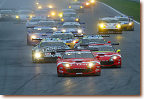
(118, 66)
(132, 29)
(59, 75)
(98, 74)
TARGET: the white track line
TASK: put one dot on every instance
(116, 10)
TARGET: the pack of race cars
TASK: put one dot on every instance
(60, 37)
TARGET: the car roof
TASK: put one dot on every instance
(71, 23)
(51, 40)
(93, 37)
(62, 33)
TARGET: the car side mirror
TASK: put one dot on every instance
(108, 41)
(118, 51)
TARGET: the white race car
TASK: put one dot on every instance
(109, 25)
(70, 17)
(34, 21)
(24, 15)
(77, 6)
(73, 27)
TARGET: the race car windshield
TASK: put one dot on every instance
(47, 24)
(69, 15)
(71, 26)
(78, 54)
(63, 36)
(59, 44)
(42, 31)
(102, 47)
(34, 20)
(110, 21)
(123, 19)
(88, 41)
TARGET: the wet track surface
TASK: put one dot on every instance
(19, 76)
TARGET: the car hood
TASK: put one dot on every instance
(105, 55)
(41, 35)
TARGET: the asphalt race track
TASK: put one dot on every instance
(19, 76)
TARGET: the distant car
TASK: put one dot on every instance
(77, 6)
(24, 15)
(47, 23)
(89, 39)
(46, 50)
(36, 34)
(70, 17)
(7, 14)
(34, 21)
(73, 27)
(86, 4)
(109, 25)
(126, 22)
(78, 63)
(68, 38)
(106, 54)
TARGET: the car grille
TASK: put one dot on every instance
(78, 70)
(106, 62)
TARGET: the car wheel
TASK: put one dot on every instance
(98, 74)
(132, 29)
(118, 66)
(59, 75)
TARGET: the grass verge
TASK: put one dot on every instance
(129, 8)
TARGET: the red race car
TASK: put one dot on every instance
(106, 54)
(78, 62)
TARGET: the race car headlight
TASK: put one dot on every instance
(91, 64)
(77, 19)
(114, 57)
(60, 15)
(81, 7)
(33, 37)
(79, 31)
(102, 25)
(53, 13)
(67, 65)
(92, 1)
(63, 30)
(39, 7)
(54, 28)
(74, 41)
(17, 17)
(130, 23)
(37, 55)
(118, 26)
(50, 6)
(62, 19)
(87, 3)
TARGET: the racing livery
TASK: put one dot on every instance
(106, 54)
(67, 38)
(109, 25)
(126, 22)
(47, 50)
(75, 62)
